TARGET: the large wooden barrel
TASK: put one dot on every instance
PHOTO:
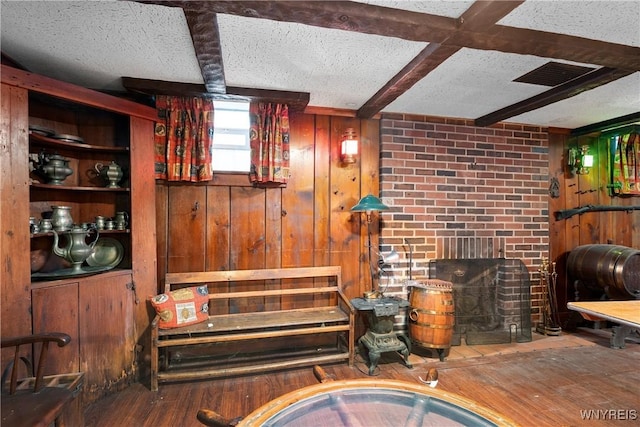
(431, 314)
(614, 268)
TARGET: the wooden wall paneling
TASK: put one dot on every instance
(187, 228)
(591, 225)
(598, 179)
(635, 228)
(590, 230)
(346, 230)
(298, 205)
(557, 243)
(298, 197)
(15, 273)
(621, 224)
(102, 128)
(218, 228)
(218, 235)
(62, 120)
(248, 240)
(273, 240)
(107, 351)
(162, 233)
(369, 135)
(321, 145)
(588, 224)
(572, 225)
(273, 227)
(48, 318)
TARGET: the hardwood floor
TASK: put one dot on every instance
(550, 381)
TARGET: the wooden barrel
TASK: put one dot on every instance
(614, 268)
(431, 314)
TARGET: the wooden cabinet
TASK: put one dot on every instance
(55, 308)
(102, 312)
(98, 313)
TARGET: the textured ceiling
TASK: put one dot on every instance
(95, 43)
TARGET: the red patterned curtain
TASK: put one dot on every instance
(269, 139)
(183, 138)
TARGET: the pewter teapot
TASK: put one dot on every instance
(77, 250)
(52, 167)
(112, 173)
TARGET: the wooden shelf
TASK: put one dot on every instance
(50, 233)
(43, 141)
(50, 187)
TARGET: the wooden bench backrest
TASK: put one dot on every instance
(251, 275)
(281, 288)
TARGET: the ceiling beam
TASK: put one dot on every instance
(618, 122)
(339, 15)
(573, 87)
(426, 61)
(524, 41)
(481, 14)
(485, 14)
(297, 101)
(203, 26)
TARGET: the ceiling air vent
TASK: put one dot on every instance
(553, 74)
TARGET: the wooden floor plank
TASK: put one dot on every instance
(542, 383)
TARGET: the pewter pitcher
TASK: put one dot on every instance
(112, 173)
(77, 250)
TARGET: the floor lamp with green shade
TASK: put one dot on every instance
(369, 204)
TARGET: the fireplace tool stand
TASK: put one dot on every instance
(380, 337)
(550, 324)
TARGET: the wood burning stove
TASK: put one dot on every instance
(380, 336)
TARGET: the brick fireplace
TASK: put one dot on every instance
(492, 299)
(461, 191)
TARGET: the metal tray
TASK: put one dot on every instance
(107, 252)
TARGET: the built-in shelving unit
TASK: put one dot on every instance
(100, 309)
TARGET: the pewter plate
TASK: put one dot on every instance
(106, 253)
(41, 130)
(68, 138)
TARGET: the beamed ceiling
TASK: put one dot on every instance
(557, 63)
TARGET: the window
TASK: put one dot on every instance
(231, 151)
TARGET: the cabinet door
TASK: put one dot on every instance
(107, 333)
(55, 309)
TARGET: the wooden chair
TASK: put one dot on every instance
(37, 400)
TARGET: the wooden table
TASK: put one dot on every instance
(624, 313)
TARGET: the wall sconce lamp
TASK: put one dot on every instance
(349, 146)
(369, 204)
(580, 161)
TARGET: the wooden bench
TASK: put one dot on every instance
(250, 312)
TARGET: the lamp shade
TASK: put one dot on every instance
(369, 203)
(587, 161)
(349, 146)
